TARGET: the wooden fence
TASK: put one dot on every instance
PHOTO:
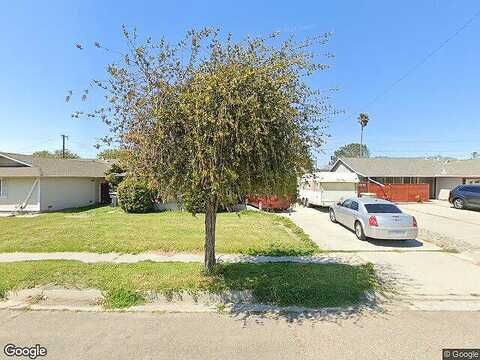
(397, 192)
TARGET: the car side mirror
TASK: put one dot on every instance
(339, 203)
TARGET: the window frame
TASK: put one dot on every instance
(3, 189)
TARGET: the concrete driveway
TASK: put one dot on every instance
(425, 276)
(335, 237)
(448, 227)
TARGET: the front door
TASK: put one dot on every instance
(105, 193)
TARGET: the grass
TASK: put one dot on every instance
(310, 285)
(106, 229)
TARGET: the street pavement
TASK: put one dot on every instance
(388, 335)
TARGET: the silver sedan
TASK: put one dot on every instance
(374, 218)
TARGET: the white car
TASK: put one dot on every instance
(374, 218)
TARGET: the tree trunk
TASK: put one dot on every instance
(210, 222)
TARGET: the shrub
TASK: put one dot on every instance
(135, 195)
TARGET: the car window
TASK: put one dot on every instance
(346, 203)
(354, 205)
(474, 189)
(382, 209)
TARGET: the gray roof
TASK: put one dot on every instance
(49, 167)
(411, 167)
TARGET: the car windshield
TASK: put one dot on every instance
(382, 209)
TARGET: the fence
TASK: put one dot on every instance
(397, 192)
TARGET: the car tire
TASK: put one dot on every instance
(307, 203)
(359, 231)
(459, 203)
(333, 218)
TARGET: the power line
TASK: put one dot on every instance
(423, 60)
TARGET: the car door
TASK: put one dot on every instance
(341, 212)
(474, 195)
(351, 214)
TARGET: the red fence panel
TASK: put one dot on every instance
(397, 192)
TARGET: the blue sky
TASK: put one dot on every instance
(434, 110)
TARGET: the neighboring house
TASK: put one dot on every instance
(439, 174)
(35, 184)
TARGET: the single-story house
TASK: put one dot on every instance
(441, 175)
(34, 184)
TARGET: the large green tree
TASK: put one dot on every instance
(56, 154)
(350, 151)
(211, 120)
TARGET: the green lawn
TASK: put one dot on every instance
(106, 229)
(311, 285)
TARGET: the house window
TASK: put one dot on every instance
(3, 188)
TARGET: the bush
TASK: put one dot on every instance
(135, 196)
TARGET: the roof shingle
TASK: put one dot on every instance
(50, 167)
(413, 167)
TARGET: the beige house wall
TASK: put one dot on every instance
(65, 193)
(340, 168)
(17, 191)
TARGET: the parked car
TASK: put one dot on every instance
(374, 218)
(465, 196)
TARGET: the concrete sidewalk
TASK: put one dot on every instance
(118, 258)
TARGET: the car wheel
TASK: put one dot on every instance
(359, 231)
(459, 203)
(307, 203)
(333, 218)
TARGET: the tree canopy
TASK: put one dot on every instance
(110, 154)
(350, 150)
(211, 120)
(56, 154)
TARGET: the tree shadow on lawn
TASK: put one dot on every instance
(297, 292)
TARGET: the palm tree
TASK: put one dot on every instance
(363, 121)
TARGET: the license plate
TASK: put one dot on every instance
(397, 232)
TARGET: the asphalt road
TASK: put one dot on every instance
(392, 335)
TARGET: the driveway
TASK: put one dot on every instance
(448, 227)
(335, 237)
(424, 275)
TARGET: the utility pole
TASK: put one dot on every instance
(363, 121)
(64, 137)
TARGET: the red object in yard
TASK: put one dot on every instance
(397, 192)
(269, 202)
